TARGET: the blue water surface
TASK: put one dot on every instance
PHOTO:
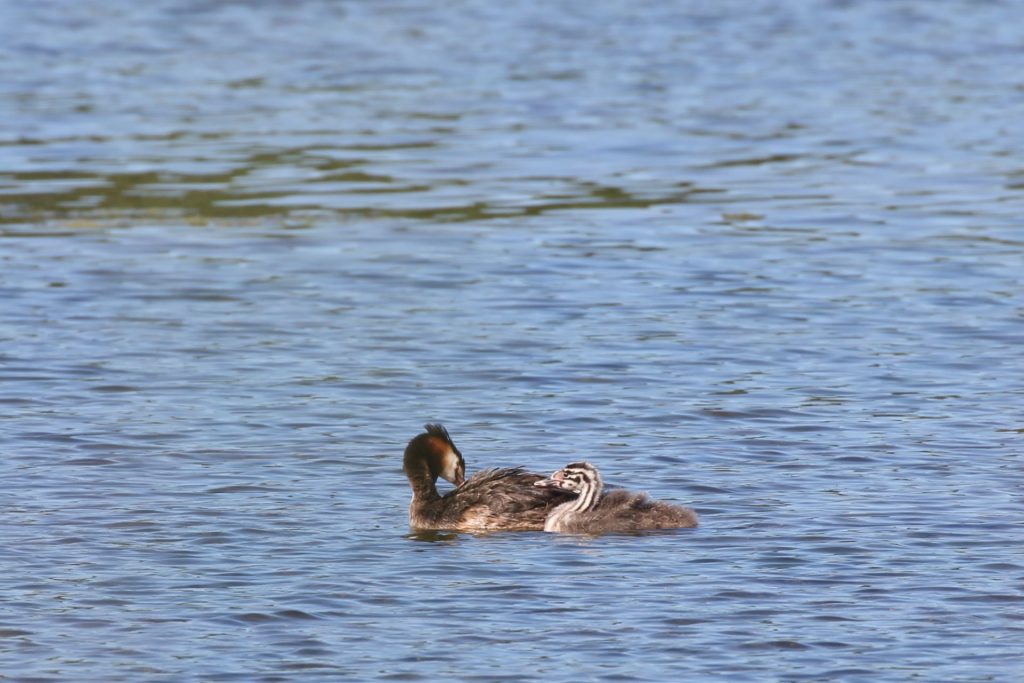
(765, 259)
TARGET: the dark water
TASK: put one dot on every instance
(762, 258)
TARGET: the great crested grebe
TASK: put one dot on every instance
(488, 500)
(617, 510)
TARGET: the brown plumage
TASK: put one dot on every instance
(618, 510)
(489, 500)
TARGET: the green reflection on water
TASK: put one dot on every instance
(283, 182)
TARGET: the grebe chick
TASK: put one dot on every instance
(617, 510)
(488, 500)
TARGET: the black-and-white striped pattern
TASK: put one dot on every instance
(594, 512)
(583, 479)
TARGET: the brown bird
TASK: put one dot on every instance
(489, 500)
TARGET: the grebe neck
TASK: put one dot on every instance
(589, 495)
(588, 485)
(423, 484)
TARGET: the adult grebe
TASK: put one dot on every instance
(616, 510)
(488, 500)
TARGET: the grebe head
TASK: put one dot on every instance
(437, 449)
(574, 477)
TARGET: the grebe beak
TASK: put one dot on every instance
(548, 483)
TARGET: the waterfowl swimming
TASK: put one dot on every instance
(488, 500)
(617, 510)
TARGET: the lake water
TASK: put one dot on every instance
(764, 258)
